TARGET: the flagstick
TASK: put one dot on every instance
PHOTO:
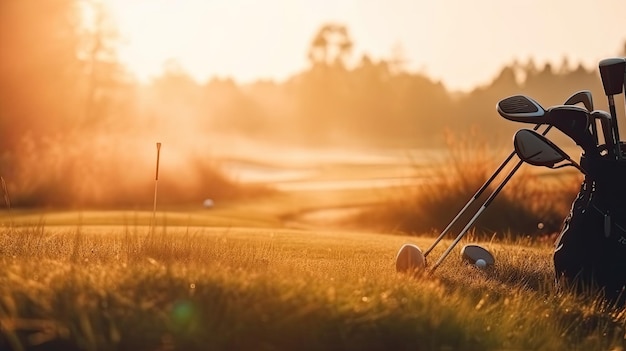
(156, 180)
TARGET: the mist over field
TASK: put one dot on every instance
(76, 129)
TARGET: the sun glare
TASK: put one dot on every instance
(461, 43)
(207, 38)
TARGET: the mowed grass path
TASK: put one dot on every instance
(82, 287)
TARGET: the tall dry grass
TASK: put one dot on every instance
(529, 204)
(226, 289)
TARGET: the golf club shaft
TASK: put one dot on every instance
(480, 211)
(483, 207)
(475, 197)
(478, 193)
(594, 131)
(618, 154)
(624, 91)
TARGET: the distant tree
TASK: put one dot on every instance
(529, 69)
(56, 74)
(330, 45)
(175, 83)
(40, 72)
(229, 108)
(564, 69)
(105, 77)
(398, 60)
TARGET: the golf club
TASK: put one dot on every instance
(522, 109)
(474, 198)
(571, 120)
(472, 254)
(537, 150)
(574, 122)
(605, 122)
(612, 75)
(584, 97)
(476, 215)
(533, 148)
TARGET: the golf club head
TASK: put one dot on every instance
(573, 121)
(605, 121)
(410, 259)
(535, 149)
(471, 253)
(521, 108)
(612, 74)
(584, 97)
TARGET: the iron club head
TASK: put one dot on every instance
(537, 150)
(581, 97)
(605, 121)
(574, 122)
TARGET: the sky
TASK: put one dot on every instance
(461, 43)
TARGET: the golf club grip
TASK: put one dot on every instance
(614, 128)
(480, 211)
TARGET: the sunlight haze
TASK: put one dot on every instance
(461, 43)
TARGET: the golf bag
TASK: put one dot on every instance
(590, 252)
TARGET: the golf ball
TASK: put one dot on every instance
(480, 263)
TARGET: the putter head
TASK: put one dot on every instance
(535, 149)
(584, 97)
(574, 122)
(612, 74)
(521, 108)
(471, 253)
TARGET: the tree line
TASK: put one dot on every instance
(61, 85)
(58, 76)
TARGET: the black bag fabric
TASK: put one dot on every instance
(591, 249)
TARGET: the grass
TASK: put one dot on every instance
(235, 277)
(200, 288)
